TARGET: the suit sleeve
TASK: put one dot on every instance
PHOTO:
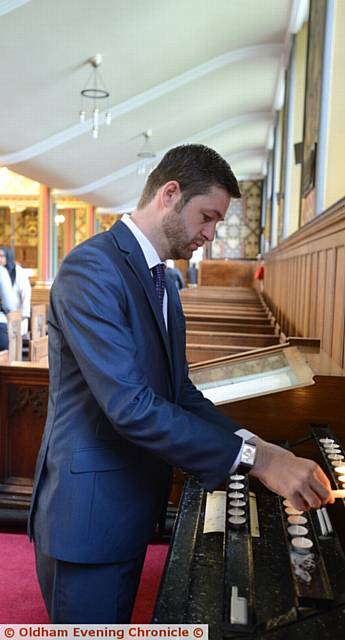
(89, 302)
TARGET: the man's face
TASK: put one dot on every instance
(2, 258)
(195, 224)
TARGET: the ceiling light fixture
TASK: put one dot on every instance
(95, 90)
(146, 152)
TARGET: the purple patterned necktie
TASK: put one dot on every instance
(158, 273)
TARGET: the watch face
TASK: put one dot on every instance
(248, 454)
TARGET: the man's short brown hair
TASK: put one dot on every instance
(196, 168)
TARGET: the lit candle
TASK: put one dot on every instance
(297, 530)
(301, 545)
(340, 470)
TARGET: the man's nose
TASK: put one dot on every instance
(209, 231)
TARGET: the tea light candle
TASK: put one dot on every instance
(236, 495)
(297, 530)
(237, 521)
(237, 503)
(236, 512)
(236, 485)
(291, 511)
(302, 545)
(236, 478)
(297, 520)
(340, 470)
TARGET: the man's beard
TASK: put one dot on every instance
(176, 233)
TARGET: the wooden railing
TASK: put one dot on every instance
(305, 282)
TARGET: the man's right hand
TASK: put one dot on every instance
(300, 480)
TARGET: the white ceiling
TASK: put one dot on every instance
(190, 70)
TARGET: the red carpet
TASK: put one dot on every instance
(20, 598)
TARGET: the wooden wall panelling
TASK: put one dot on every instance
(338, 341)
(329, 300)
(311, 312)
(305, 281)
(321, 295)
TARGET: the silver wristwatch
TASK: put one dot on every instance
(247, 459)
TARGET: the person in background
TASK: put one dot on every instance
(260, 272)
(174, 275)
(20, 284)
(7, 304)
(192, 274)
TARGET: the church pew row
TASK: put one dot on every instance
(231, 339)
(231, 327)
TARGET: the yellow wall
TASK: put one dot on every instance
(298, 111)
(335, 159)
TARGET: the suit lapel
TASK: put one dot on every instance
(136, 261)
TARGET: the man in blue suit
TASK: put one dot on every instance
(122, 410)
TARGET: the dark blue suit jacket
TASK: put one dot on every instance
(122, 409)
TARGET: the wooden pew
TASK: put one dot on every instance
(38, 350)
(230, 327)
(222, 338)
(14, 327)
(38, 321)
(40, 294)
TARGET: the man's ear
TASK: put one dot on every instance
(170, 194)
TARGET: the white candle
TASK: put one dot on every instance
(236, 485)
(236, 478)
(237, 521)
(237, 503)
(297, 530)
(236, 512)
(297, 520)
(301, 545)
(340, 470)
(291, 511)
(236, 495)
(287, 503)
(338, 493)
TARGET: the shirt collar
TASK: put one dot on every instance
(151, 256)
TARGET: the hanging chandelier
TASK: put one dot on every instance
(96, 91)
(146, 152)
